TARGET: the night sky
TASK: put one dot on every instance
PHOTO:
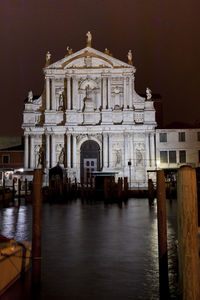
(163, 35)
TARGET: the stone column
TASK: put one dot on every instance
(152, 147)
(53, 151)
(125, 150)
(74, 93)
(110, 158)
(105, 150)
(47, 93)
(109, 92)
(47, 151)
(104, 92)
(125, 94)
(68, 151)
(130, 92)
(131, 148)
(32, 160)
(26, 151)
(131, 174)
(53, 96)
(74, 151)
(147, 149)
(127, 91)
(68, 93)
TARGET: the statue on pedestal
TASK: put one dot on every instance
(69, 50)
(48, 57)
(30, 97)
(148, 93)
(130, 57)
(89, 39)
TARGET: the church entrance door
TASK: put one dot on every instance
(90, 158)
(90, 165)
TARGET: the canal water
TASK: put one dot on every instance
(95, 251)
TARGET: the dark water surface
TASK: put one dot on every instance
(95, 251)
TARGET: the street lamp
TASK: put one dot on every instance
(129, 164)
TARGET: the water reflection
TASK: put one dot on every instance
(97, 251)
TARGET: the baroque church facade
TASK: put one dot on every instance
(90, 118)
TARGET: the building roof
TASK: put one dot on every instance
(14, 148)
(82, 59)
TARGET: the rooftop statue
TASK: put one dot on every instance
(106, 51)
(148, 93)
(48, 57)
(30, 96)
(89, 39)
(69, 50)
(130, 57)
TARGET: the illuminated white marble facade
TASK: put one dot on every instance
(90, 95)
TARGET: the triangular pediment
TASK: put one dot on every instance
(89, 58)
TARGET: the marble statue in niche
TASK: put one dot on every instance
(39, 156)
(118, 158)
(61, 156)
(139, 158)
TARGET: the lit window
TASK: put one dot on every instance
(181, 136)
(5, 159)
(163, 137)
(172, 157)
(182, 156)
(163, 157)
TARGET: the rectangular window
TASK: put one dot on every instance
(5, 159)
(181, 136)
(198, 136)
(182, 156)
(163, 157)
(163, 137)
(172, 157)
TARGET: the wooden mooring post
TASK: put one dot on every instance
(4, 191)
(37, 227)
(188, 248)
(13, 190)
(19, 192)
(26, 190)
(162, 234)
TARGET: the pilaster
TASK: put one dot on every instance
(26, 151)
(32, 160)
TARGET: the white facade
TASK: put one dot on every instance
(90, 96)
(177, 147)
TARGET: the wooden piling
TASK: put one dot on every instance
(119, 188)
(125, 187)
(19, 192)
(4, 190)
(87, 187)
(188, 247)
(162, 234)
(82, 188)
(26, 189)
(36, 227)
(151, 191)
(13, 190)
(106, 188)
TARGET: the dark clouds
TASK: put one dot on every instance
(163, 35)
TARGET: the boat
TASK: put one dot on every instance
(14, 261)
